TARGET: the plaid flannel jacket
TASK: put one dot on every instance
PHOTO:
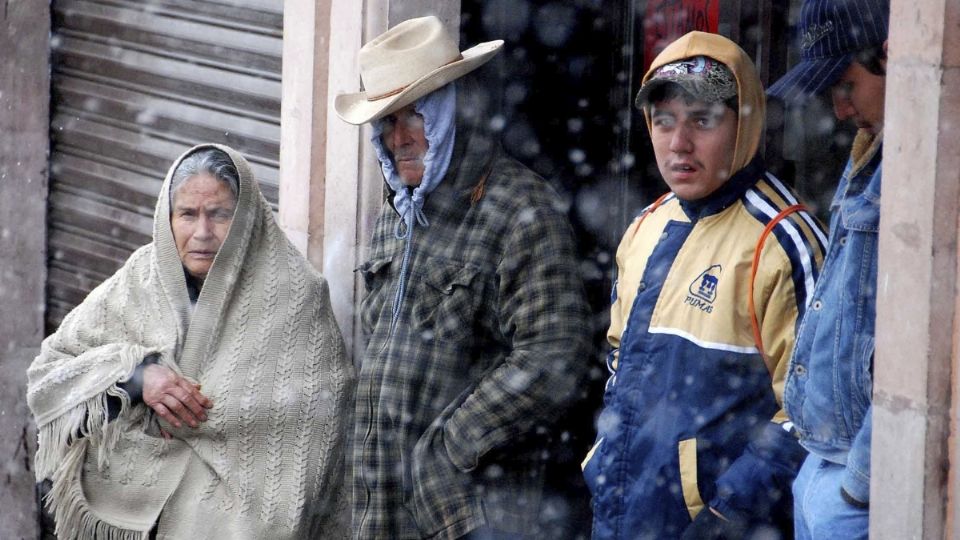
(490, 346)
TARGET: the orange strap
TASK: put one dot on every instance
(757, 338)
(656, 204)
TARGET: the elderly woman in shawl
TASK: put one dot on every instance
(200, 391)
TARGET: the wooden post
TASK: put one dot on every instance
(303, 114)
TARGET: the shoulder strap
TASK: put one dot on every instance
(757, 337)
(656, 204)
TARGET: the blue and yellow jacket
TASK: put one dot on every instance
(693, 408)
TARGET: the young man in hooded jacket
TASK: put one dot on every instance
(829, 384)
(693, 441)
(474, 312)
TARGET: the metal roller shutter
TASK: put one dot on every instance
(134, 84)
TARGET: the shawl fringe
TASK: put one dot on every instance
(88, 421)
(66, 501)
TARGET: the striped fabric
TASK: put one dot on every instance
(830, 32)
(803, 236)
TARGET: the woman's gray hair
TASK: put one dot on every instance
(212, 161)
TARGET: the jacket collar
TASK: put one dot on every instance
(865, 150)
(731, 191)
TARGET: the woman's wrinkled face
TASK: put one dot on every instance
(202, 213)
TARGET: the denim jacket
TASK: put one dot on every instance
(829, 384)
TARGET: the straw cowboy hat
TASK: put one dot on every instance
(406, 63)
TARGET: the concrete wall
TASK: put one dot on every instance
(914, 414)
(24, 125)
(448, 12)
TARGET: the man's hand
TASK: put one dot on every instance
(853, 501)
(174, 398)
(710, 525)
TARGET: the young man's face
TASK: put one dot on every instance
(404, 137)
(694, 143)
(858, 95)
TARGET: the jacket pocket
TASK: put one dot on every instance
(687, 454)
(440, 491)
(447, 298)
(376, 275)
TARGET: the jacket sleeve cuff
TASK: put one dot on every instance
(856, 476)
(758, 480)
(725, 509)
(856, 485)
(853, 501)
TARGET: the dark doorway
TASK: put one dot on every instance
(562, 91)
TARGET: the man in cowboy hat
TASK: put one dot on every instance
(474, 315)
(828, 388)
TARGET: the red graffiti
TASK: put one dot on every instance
(666, 20)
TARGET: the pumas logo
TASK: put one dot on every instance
(703, 290)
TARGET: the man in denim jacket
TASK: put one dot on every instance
(829, 382)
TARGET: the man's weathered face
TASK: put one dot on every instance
(858, 95)
(404, 137)
(202, 213)
(694, 143)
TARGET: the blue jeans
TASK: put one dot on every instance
(819, 512)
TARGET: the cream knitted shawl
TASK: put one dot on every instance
(262, 342)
